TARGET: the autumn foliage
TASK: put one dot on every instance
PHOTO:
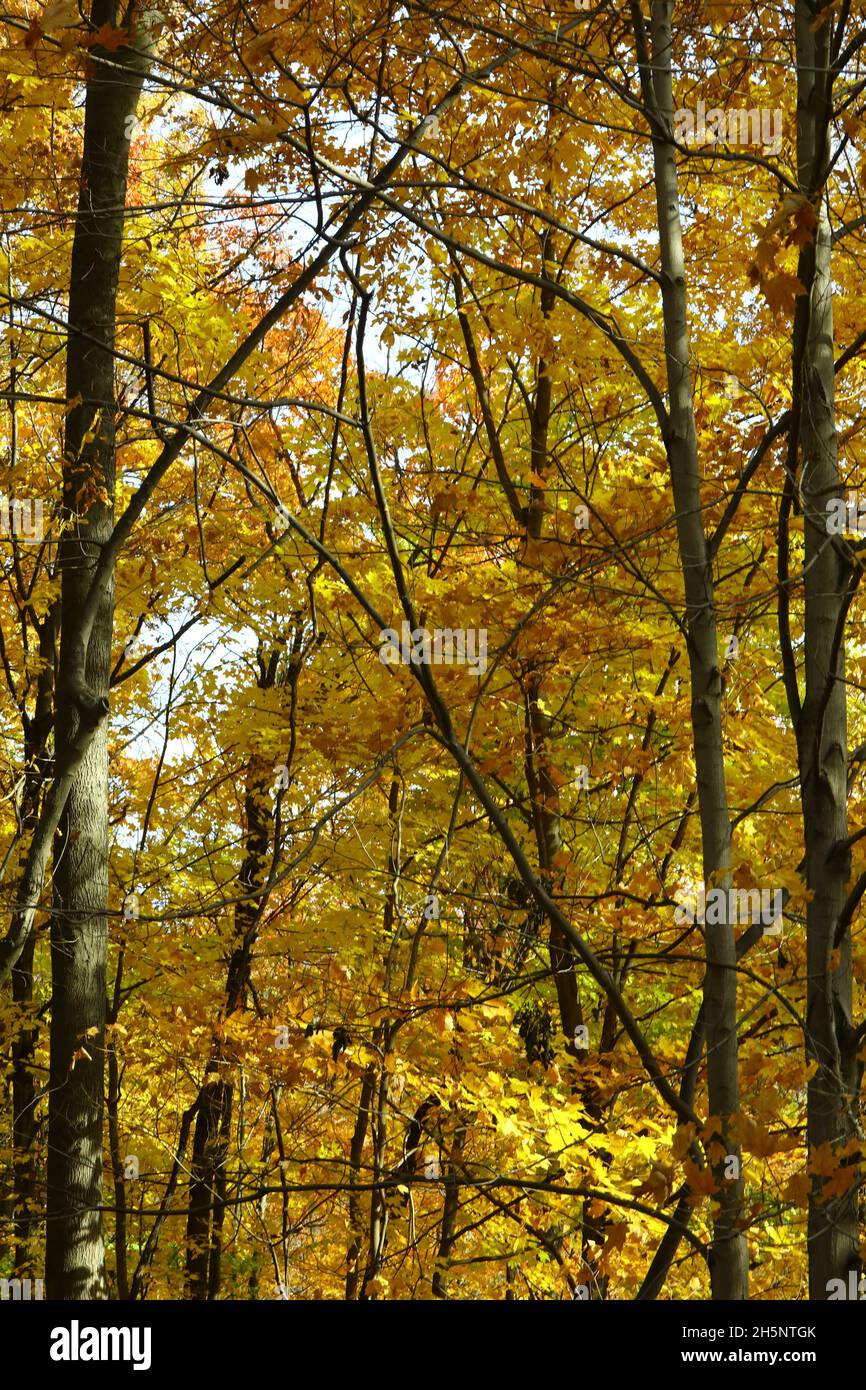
(389, 992)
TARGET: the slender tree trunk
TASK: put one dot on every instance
(356, 1210)
(209, 1155)
(377, 1109)
(115, 1077)
(822, 728)
(24, 1119)
(544, 802)
(728, 1258)
(24, 1114)
(74, 1245)
(450, 1209)
(207, 1188)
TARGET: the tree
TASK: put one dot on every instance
(430, 698)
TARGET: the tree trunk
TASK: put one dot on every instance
(449, 1233)
(215, 1102)
(728, 1258)
(121, 1205)
(544, 803)
(24, 1124)
(74, 1246)
(822, 728)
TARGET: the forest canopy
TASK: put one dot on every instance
(432, 799)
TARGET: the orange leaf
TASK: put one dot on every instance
(781, 291)
(110, 38)
(798, 1190)
(822, 1161)
(841, 1180)
(700, 1180)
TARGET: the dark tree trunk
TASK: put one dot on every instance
(24, 1119)
(207, 1188)
(74, 1245)
(822, 725)
(728, 1260)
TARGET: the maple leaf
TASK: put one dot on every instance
(109, 38)
(700, 1180)
(823, 1162)
(615, 1236)
(260, 46)
(64, 15)
(766, 251)
(33, 35)
(802, 232)
(754, 1136)
(781, 292)
(712, 1127)
(844, 1178)
(683, 1140)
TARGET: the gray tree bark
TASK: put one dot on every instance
(74, 1261)
(728, 1257)
(821, 725)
